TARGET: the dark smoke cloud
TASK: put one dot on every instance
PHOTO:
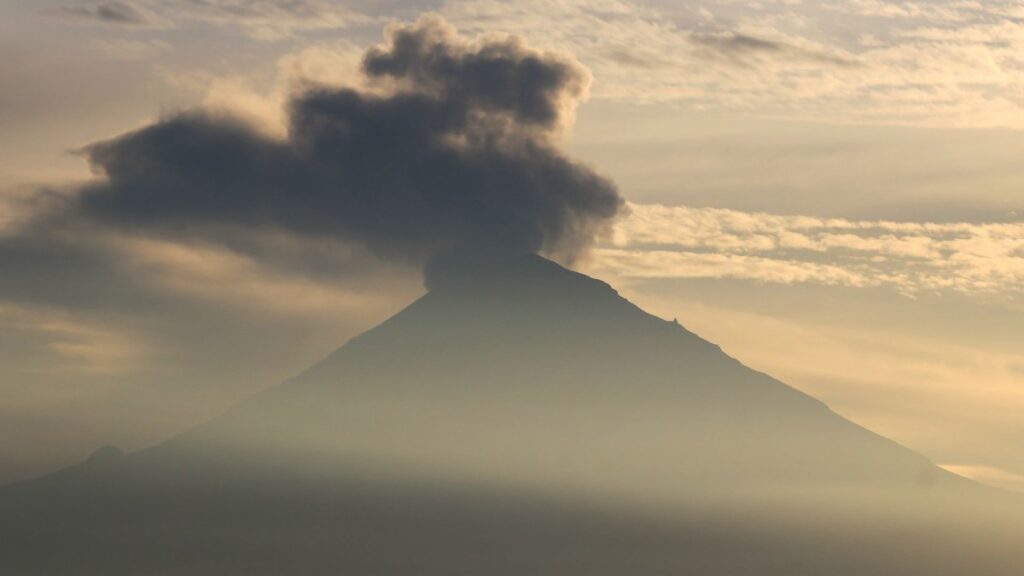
(455, 145)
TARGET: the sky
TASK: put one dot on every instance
(831, 191)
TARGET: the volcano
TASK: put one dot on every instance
(519, 418)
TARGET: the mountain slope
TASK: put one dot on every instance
(519, 418)
(521, 370)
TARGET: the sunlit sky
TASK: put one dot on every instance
(832, 191)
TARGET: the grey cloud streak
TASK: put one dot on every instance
(260, 19)
(741, 49)
(110, 12)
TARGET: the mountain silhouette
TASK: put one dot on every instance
(519, 418)
(521, 366)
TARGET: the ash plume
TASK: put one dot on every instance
(453, 143)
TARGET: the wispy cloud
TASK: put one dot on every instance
(748, 50)
(269, 19)
(117, 12)
(74, 343)
(988, 475)
(948, 64)
(908, 63)
(213, 273)
(682, 242)
(264, 19)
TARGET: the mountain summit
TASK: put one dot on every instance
(482, 430)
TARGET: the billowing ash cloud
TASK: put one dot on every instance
(455, 143)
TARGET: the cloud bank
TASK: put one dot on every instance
(682, 242)
(942, 63)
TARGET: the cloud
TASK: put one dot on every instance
(259, 19)
(656, 241)
(748, 50)
(93, 300)
(922, 64)
(110, 12)
(76, 344)
(457, 145)
(906, 63)
(267, 19)
(228, 278)
(953, 12)
(988, 474)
